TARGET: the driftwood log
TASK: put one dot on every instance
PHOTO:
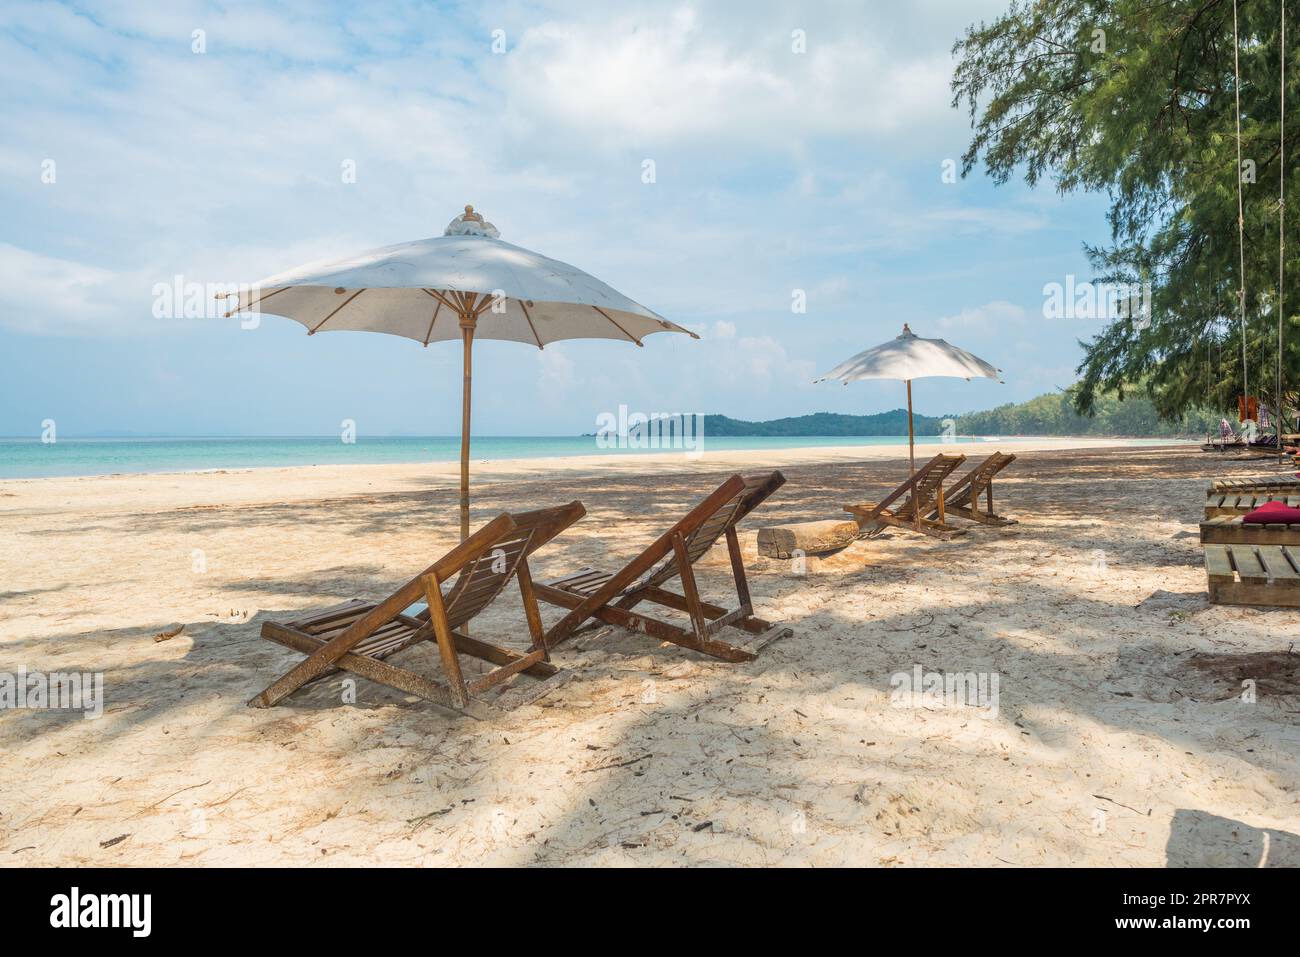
(809, 538)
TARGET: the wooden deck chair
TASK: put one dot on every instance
(963, 496)
(357, 636)
(924, 492)
(1244, 574)
(734, 635)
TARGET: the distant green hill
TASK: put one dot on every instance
(1050, 414)
(1053, 414)
(826, 423)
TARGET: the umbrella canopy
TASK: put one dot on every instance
(908, 357)
(403, 290)
(460, 285)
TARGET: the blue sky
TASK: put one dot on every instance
(774, 171)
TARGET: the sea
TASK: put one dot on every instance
(34, 458)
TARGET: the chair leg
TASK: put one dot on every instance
(320, 660)
(689, 587)
(446, 641)
(529, 597)
(738, 571)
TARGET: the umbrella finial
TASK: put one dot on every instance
(470, 223)
(907, 331)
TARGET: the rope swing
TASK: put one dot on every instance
(1281, 222)
(1241, 217)
(1281, 225)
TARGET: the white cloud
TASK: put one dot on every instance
(991, 318)
(555, 371)
(762, 363)
(719, 74)
(55, 296)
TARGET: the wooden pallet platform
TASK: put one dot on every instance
(1255, 483)
(1254, 574)
(1243, 503)
(1231, 530)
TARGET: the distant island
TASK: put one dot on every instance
(1049, 414)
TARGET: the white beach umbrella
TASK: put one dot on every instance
(909, 357)
(464, 284)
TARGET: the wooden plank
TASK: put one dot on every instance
(498, 675)
(1275, 563)
(446, 643)
(1247, 564)
(1231, 530)
(689, 587)
(1254, 594)
(520, 695)
(529, 597)
(738, 570)
(1217, 564)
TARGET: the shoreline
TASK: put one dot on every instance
(610, 461)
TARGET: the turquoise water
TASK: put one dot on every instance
(31, 458)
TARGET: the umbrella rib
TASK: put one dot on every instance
(259, 301)
(312, 331)
(427, 335)
(488, 299)
(618, 327)
(524, 307)
(442, 299)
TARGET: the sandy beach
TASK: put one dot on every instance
(1120, 736)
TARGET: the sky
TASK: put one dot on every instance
(795, 147)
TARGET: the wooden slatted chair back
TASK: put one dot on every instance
(485, 575)
(929, 478)
(709, 521)
(973, 483)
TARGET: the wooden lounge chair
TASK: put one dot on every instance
(357, 636)
(925, 496)
(1244, 574)
(734, 635)
(963, 496)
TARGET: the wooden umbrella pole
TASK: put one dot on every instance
(911, 456)
(467, 334)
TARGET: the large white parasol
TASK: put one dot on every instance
(462, 284)
(909, 357)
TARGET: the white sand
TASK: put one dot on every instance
(1120, 737)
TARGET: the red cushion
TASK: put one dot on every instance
(1273, 513)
